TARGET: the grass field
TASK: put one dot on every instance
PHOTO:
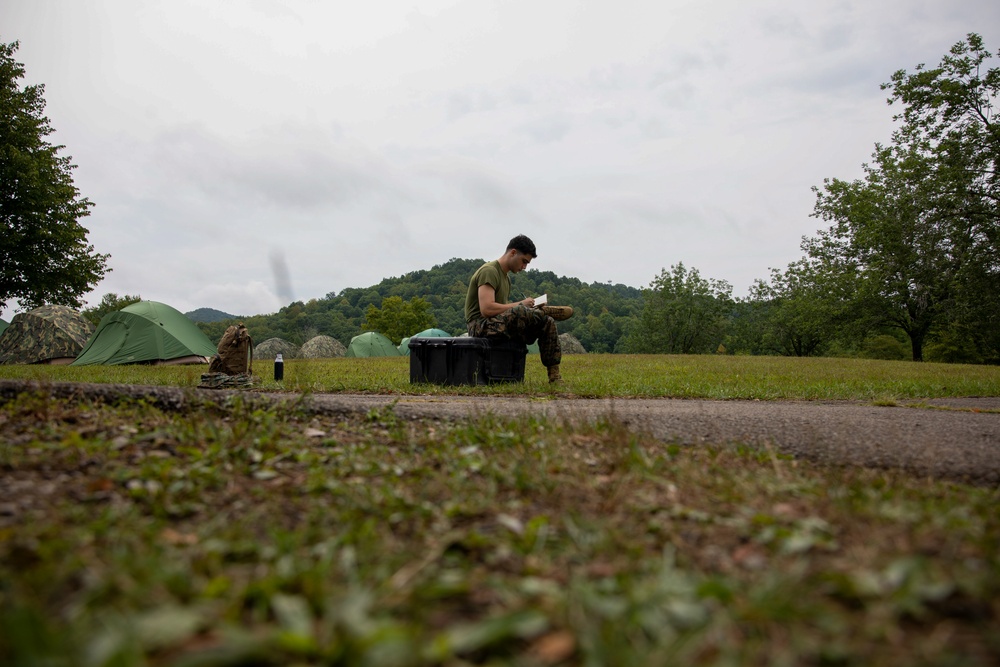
(596, 375)
(241, 535)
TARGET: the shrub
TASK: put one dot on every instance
(885, 347)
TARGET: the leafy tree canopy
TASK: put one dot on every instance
(804, 310)
(46, 257)
(683, 313)
(397, 319)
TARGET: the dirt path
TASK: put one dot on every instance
(950, 438)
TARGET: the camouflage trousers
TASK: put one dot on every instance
(524, 324)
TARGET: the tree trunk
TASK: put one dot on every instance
(917, 345)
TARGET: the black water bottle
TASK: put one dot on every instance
(279, 368)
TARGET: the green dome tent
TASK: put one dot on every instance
(404, 348)
(146, 332)
(45, 335)
(3, 326)
(371, 344)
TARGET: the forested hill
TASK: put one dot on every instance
(208, 315)
(604, 312)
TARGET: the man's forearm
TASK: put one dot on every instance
(493, 308)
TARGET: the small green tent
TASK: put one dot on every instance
(45, 335)
(3, 326)
(404, 347)
(371, 344)
(146, 332)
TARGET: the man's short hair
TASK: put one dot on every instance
(523, 245)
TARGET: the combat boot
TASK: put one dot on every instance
(554, 375)
(558, 313)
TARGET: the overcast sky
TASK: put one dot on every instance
(355, 141)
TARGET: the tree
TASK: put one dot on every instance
(886, 240)
(918, 236)
(953, 106)
(110, 303)
(397, 319)
(46, 257)
(799, 311)
(683, 313)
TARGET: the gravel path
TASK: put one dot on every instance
(941, 438)
(947, 438)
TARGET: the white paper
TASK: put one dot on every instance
(541, 300)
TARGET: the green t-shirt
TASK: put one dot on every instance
(491, 274)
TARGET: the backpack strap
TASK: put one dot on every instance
(249, 352)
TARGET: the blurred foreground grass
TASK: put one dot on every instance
(238, 535)
(595, 375)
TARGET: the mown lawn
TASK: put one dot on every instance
(249, 535)
(595, 375)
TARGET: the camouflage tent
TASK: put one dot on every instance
(45, 335)
(271, 347)
(322, 347)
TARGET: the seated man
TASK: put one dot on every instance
(488, 313)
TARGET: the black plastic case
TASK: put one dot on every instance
(465, 360)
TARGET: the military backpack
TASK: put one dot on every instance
(235, 355)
